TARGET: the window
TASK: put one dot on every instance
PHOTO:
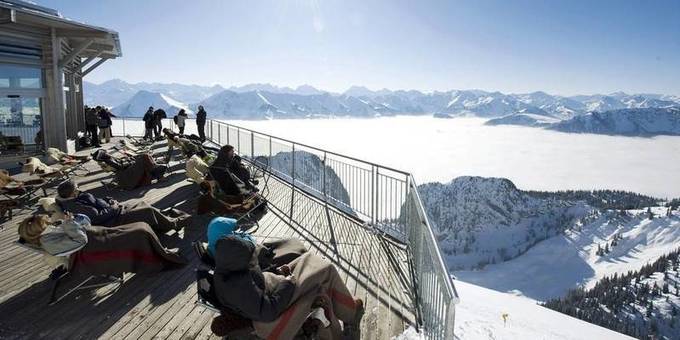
(20, 77)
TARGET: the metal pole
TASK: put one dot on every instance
(292, 175)
(252, 145)
(323, 164)
(123, 126)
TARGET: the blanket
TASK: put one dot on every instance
(317, 283)
(128, 248)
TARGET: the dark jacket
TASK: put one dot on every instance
(220, 172)
(148, 120)
(200, 117)
(105, 119)
(159, 115)
(98, 210)
(240, 284)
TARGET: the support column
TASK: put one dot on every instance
(54, 119)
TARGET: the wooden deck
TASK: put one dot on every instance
(162, 305)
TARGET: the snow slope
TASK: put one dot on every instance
(552, 267)
(140, 102)
(479, 316)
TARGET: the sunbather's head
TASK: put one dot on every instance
(221, 227)
(233, 254)
(32, 227)
(67, 189)
(226, 151)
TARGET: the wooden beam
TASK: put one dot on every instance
(76, 50)
(91, 68)
(89, 59)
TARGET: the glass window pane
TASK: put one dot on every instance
(20, 116)
(14, 76)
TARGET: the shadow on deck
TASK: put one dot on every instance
(162, 305)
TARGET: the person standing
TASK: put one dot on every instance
(200, 122)
(149, 123)
(105, 123)
(91, 119)
(181, 120)
(158, 117)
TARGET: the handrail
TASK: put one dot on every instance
(386, 199)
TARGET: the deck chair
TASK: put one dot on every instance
(16, 193)
(61, 272)
(69, 163)
(207, 298)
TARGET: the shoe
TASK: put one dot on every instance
(224, 324)
(174, 251)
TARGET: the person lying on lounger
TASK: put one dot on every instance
(279, 302)
(132, 172)
(189, 145)
(228, 163)
(128, 248)
(212, 201)
(108, 212)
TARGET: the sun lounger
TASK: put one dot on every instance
(62, 272)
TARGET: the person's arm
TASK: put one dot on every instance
(274, 303)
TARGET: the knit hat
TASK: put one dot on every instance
(67, 188)
(30, 229)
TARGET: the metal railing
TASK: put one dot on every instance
(385, 199)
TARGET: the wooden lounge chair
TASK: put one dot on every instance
(60, 273)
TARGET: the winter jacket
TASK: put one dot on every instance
(105, 119)
(181, 120)
(91, 118)
(159, 115)
(98, 210)
(69, 237)
(200, 117)
(241, 286)
(148, 119)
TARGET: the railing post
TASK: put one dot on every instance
(323, 165)
(238, 139)
(123, 119)
(219, 135)
(252, 145)
(292, 176)
(373, 194)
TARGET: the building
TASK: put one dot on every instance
(43, 60)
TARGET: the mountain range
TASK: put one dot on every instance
(265, 101)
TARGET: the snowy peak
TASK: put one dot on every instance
(140, 102)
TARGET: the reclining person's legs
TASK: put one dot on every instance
(143, 212)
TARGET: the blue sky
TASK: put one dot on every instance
(561, 47)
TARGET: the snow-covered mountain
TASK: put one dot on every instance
(303, 90)
(246, 102)
(115, 92)
(638, 122)
(487, 220)
(140, 102)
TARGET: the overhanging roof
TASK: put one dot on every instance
(29, 18)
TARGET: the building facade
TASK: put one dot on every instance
(43, 60)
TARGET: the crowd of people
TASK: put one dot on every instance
(276, 290)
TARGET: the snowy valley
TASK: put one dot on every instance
(542, 245)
